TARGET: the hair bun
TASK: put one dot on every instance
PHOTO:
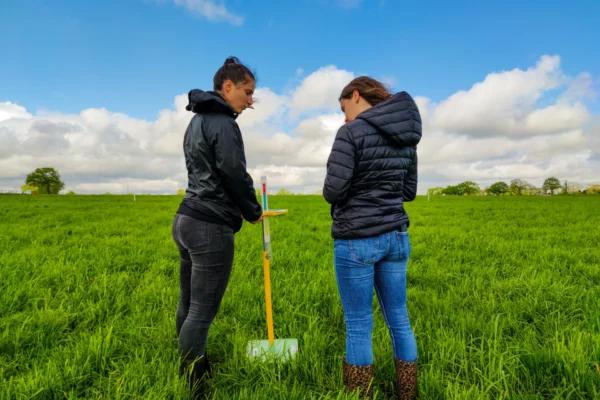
(233, 70)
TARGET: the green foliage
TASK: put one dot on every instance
(551, 184)
(47, 180)
(462, 189)
(29, 188)
(505, 302)
(519, 186)
(435, 191)
(592, 189)
(283, 192)
(181, 192)
(498, 188)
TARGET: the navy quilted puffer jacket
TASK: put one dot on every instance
(372, 169)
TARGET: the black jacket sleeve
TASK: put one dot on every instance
(409, 191)
(231, 163)
(340, 167)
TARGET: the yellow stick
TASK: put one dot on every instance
(268, 304)
(274, 213)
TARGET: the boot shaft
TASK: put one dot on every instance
(194, 371)
(359, 378)
(406, 380)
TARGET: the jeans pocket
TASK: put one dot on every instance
(403, 244)
(366, 251)
(201, 236)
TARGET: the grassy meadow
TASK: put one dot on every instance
(504, 296)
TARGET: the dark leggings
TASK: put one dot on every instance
(206, 254)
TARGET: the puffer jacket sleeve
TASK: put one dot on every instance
(230, 161)
(340, 167)
(409, 191)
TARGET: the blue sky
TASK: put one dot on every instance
(506, 89)
(133, 56)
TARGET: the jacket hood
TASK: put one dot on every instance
(201, 102)
(397, 118)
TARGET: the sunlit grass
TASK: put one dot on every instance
(504, 296)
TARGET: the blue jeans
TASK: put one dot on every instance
(376, 262)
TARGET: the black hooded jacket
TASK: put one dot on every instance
(372, 169)
(220, 190)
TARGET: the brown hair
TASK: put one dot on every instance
(373, 91)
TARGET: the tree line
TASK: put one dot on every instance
(516, 187)
(47, 180)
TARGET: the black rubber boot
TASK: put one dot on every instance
(194, 371)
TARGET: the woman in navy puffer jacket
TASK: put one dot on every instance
(371, 172)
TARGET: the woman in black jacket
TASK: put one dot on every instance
(371, 172)
(220, 193)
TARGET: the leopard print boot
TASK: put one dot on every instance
(359, 378)
(406, 380)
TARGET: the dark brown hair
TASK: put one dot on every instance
(373, 91)
(233, 70)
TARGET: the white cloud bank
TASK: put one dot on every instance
(527, 124)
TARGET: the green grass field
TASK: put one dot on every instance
(504, 296)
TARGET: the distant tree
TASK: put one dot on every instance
(180, 192)
(47, 180)
(551, 184)
(519, 186)
(283, 191)
(592, 189)
(435, 191)
(498, 188)
(572, 187)
(451, 190)
(468, 188)
(463, 188)
(32, 189)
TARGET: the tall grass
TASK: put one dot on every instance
(504, 297)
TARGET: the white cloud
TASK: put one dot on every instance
(320, 90)
(98, 150)
(514, 124)
(211, 10)
(10, 110)
(580, 87)
(506, 103)
(94, 148)
(527, 124)
(127, 185)
(307, 145)
(8, 142)
(308, 180)
(268, 106)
